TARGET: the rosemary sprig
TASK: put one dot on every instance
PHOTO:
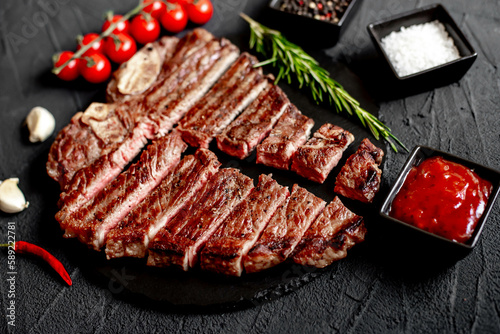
(294, 63)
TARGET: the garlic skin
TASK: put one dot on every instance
(11, 197)
(41, 124)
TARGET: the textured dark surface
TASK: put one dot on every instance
(383, 286)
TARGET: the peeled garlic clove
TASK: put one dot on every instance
(11, 197)
(41, 124)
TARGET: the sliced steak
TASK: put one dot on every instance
(239, 86)
(360, 177)
(93, 221)
(179, 242)
(284, 231)
(241, 137)
(224, 251)
(291, 131)
(140, 73)
(321, 153)
(132, 235)
(330, 236)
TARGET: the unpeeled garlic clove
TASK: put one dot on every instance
(41, 124)
(11, 197)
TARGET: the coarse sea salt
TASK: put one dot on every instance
(419, 47)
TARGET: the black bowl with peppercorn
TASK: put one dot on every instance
(313, 22)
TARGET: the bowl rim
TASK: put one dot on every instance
(273, 4)
(410, 162)
(374, 25)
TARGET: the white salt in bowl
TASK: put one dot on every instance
(424, 48)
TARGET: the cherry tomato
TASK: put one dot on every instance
(95, 68)
(199, 11)
(155, 8)
(122, 27)
(120, 48)
(145, 29)
(70, 71)
(175, 18)
(97, 47)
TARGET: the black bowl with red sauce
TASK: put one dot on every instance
(422, 156)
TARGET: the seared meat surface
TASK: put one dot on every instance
(360, 177)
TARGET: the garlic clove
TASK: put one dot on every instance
(41, 124)
(11, 197)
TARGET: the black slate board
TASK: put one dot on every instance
(385, 285)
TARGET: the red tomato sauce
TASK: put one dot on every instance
(442, 197)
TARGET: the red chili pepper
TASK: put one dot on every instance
(24, 247)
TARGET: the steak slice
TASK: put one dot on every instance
(239, 86)
(321, 153)
(284, 231)
(330, 236)
(178, 243)
(93, 221)
(224, 251)
(241, 137)
(360, 177)
(291, 131)
(140, 73)
(132, 235)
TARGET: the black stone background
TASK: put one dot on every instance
(386, 285)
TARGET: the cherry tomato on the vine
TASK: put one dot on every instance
(120, 48)
(122, 27)
(69, 72)
(95, 68)
(175, 18)
(155, 8)
(145, 29)
(96, 47)
(199, 11)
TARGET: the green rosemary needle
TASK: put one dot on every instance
(294, 63)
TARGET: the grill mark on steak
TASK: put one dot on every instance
(315, 159)
(241, 137)
(165, 47)
(284, 231)
(93, 221)
(335, 231)
(360, 177)
(228, 97)
(291, 131)
(224, 251)
(179, 242)
(132, 235)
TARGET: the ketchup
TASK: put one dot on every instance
(442, 197)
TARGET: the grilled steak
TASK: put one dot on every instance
(132, 235)
(224, 251)
(291, 131)
(321, 153)
(140, 72)
(93, 221)
(330, 236)
(360, 177)
(285, 230)
(179, 242)
(227, 98)
(241, 137)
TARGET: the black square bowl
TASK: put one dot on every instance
(436, 76)
(310, 31)
(419, 154)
